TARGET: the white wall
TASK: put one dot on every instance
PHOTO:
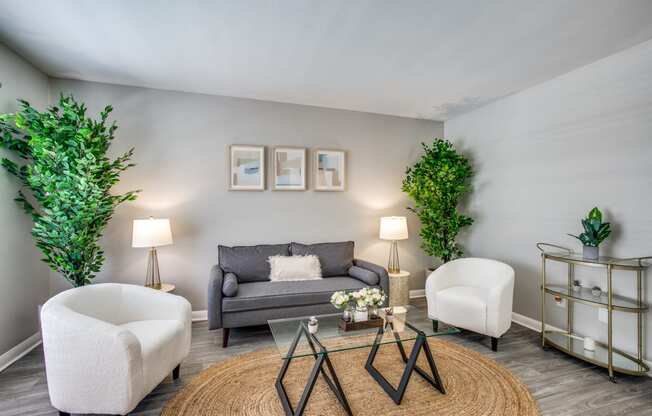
(180, 142)
(547, 155)
(23, 278)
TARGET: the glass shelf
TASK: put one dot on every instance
(574, 345)
(620, 303)
(639, 263)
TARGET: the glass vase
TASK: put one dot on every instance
(347, 315)
(361, 314)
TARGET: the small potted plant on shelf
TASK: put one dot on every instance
(595, 232)
(577, 286)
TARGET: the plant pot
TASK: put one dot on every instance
(591, 253)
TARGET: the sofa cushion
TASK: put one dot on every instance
(364, 275)
(293, 268)
(249, 263)
(336, 258)
(230, 285)
(266, 295)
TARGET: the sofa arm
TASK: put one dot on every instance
(89, 360)
(215, 282)
(380, 271)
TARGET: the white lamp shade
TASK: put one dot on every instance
(393, 228)
(151, 233)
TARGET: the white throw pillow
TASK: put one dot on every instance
(289, 268)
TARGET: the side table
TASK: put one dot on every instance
(399, 284)
(165, 287)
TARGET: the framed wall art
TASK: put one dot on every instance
(289, 169)
(246, 168)
(329, 170)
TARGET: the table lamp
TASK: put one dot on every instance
(152, 233)
(393, 229)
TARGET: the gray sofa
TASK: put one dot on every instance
(241, 294)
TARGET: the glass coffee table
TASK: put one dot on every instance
(294, 340)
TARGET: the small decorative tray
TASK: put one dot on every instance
(353, 326)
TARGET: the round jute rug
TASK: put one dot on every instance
(244, 386)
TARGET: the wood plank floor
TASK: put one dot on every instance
(562, 385)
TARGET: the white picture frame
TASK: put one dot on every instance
(329, 170)
(246, 168)
(289, 168)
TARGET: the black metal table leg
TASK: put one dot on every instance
(332, 381)
(421, 343)
(320, 357)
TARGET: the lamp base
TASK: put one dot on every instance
(153, 277)
(393, 265)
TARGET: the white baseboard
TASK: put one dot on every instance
(198, 316)
(19, 351)
(418, 293)
(526, 321)
(531, 323)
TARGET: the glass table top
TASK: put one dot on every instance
(408, 321)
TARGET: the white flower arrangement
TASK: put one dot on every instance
(340, 299)
(373, 297)
(362, 298)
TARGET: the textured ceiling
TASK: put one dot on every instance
(424, 59)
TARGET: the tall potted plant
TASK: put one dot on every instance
(436, 183)
(68, 176)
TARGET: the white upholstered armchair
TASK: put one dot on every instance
(108, 345)
(474, 294)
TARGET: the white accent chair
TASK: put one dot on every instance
(108, 345)
(474, 294)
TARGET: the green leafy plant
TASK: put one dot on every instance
(595, 231)
(436, 183)
(68, 176)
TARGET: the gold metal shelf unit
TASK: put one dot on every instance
(605, 355)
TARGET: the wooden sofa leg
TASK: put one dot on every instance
(494, 344)
(225, 337)
(175, 372)
(435, 325)
(64, 414)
